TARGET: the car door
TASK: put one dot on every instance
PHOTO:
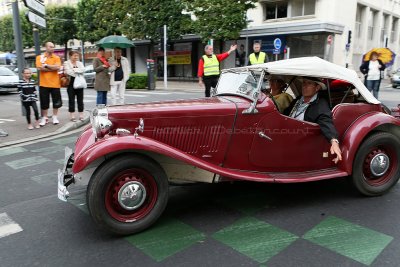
(284, 144)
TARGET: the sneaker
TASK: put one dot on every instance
(43, 121)
(30, 127)
(55, 120)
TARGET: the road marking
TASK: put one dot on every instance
(10, 151)
(5, 120)
(27, 162)
(8, 226)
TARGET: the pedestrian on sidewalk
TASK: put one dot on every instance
(257, 57)
(119, 77)
(102, 81)
(373, 72)
(48, 65)
(27, 92)
(72, 68)
(209, 67)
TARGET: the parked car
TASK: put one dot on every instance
(131, 153)
(89, 75)
(8, 80)
(395, 79)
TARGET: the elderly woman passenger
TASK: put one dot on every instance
(281, 98)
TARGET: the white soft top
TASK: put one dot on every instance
(315, 67)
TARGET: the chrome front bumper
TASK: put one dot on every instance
(65, 176)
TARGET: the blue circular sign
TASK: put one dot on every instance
(277, 43)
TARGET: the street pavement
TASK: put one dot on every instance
(323, 223)
(229, 224)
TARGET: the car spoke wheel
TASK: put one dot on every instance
(127, 194)
(376, 165)
(131, 195)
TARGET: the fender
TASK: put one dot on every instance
(357, 132)
(130, 143)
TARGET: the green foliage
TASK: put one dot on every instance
(146, 17)
(60, 22)
(34, 77)
(7, 42)
(86, 21)
(220, 19)
(137, 81)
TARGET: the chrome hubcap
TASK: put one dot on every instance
(132, 195)
(379, 164)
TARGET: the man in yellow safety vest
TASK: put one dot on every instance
(208, 69)
(257, 57)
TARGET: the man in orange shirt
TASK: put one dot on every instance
(48, 65)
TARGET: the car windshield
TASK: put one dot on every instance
(239, 83)
(6, 72)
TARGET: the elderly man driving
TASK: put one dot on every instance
(310, 107)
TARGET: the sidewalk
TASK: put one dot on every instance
(187, 86)
(18, 132)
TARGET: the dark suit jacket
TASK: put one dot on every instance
(318, 112)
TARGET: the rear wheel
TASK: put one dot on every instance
(127, 194)
(376, 165)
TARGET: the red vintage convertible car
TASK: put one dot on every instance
(132, 152)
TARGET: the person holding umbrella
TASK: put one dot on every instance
(102, 82)
(372, 72)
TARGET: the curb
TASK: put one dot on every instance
(66, 128)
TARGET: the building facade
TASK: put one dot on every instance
(340, 31)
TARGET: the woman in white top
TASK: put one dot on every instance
(372, 71)
(72, 68)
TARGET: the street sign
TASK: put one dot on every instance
(36, 19)
(276, 51)
(347, 47)
(277, 43)
(35, 6)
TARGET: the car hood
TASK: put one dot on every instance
(178, 112)
(8, 79)
(214, 105)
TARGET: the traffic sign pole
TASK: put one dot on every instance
(18, 38)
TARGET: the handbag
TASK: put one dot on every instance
(64, 80)
(79, 82)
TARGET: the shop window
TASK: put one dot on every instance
(302, 8)
(276, 10)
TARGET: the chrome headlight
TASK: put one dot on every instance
(101, 125)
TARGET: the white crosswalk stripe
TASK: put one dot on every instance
(8, 226)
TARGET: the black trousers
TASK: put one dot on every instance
(27, 106)
(72, 93)
(210, 81)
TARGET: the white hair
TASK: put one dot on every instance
(206, 47)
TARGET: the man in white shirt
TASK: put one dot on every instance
(119, 76)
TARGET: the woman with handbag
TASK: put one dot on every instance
(74, 69)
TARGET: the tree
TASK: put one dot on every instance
(86, 22)
(7, 42)
(146, 17)
(60, 25)
(219, 19)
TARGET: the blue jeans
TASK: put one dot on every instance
(373, 86)
(101, 97)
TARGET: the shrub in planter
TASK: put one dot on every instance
(137, 81)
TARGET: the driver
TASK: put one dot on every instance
(281, 98)
(310, 107)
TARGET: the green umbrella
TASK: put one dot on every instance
(113, 41)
